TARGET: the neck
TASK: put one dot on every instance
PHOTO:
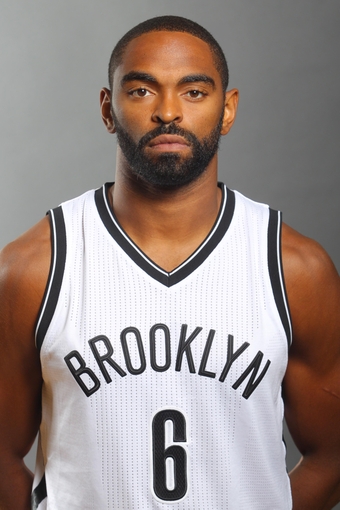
(167, 225)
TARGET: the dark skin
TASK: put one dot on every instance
(179, 219)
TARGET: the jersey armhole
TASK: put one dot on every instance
(56, 273)
(39, 494)
(276, 271)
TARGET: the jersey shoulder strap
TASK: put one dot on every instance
(55, 277)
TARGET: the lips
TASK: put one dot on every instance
(168, 140)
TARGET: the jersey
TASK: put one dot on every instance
(162, 390)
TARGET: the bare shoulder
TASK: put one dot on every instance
(24, 268)
(304, 258)
(313, 290)
(31, 248)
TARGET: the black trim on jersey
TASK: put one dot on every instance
(39, 494)
(276, 272)
(55, 277)
(221, 225)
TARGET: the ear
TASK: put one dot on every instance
(105, 108)
(230, 109)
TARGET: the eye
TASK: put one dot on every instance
(140, 92)
(195, 94)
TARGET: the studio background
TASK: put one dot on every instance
(283, 150)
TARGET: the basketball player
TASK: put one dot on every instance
(151, 319)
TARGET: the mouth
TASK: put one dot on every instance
(168, 143)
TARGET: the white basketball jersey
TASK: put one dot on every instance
(163, 390)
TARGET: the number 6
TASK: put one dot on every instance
(177, 453)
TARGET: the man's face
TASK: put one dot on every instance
(168, 108)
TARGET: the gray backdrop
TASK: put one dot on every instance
(283, 149)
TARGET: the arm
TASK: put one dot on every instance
(24, 267)
(312, 381)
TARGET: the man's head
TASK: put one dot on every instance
(170, 24)
(168, 103)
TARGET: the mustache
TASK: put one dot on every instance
(167, 129)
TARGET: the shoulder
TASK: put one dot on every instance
(24, 268)
(299, 251)
(307, 266)
(27, 255)
(313, 290)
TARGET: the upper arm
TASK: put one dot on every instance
(24, 266)
(312, 381)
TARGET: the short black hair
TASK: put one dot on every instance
(171, 24)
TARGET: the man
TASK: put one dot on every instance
(150, 317)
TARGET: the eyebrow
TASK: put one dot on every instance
(195, 78)
(190, 78)
(137, 76)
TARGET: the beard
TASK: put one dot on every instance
(168, 170)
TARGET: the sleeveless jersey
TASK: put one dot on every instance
(163, 390)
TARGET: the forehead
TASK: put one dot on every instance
(171, 54)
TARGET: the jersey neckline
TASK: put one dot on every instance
(182, 271)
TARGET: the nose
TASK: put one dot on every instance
(167, 109)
